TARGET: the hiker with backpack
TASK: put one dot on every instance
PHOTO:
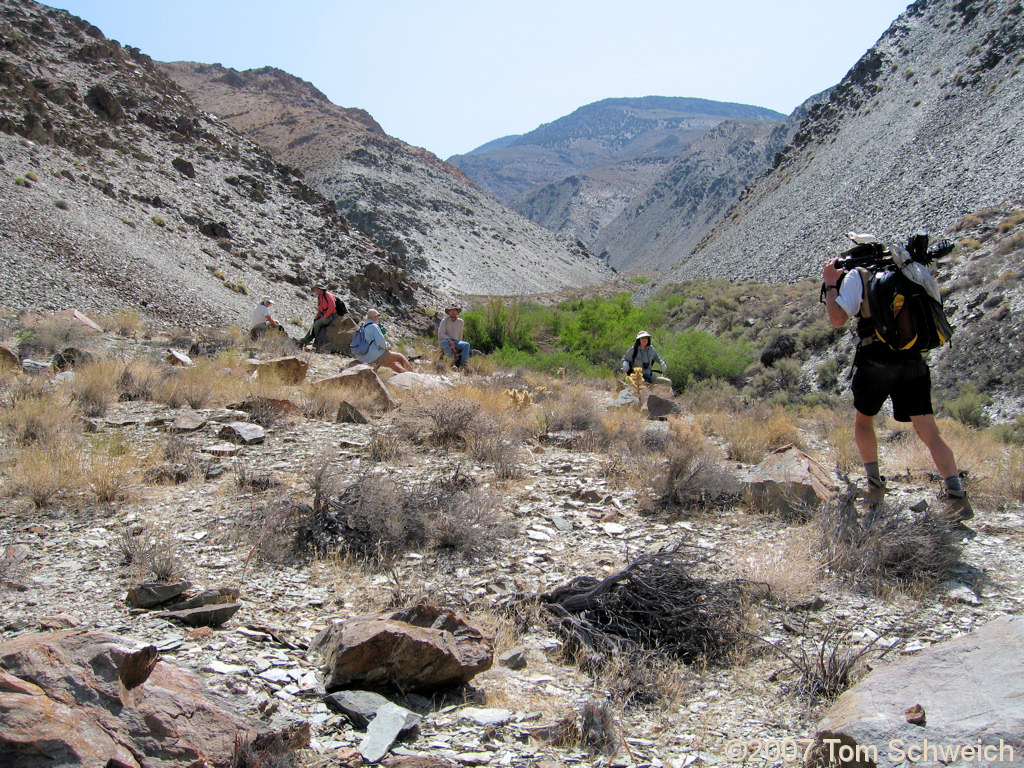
(449, 334)
(643, 356)
(369, 346)
(327, 308)
(888, 363)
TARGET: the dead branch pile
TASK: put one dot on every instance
(654, 604)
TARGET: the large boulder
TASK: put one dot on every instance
(659, 408)
(336, 336)
(422, 648)
(67, 700)
(361, 379)
(788, 481)
(964, 695)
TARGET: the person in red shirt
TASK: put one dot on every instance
(327, 308)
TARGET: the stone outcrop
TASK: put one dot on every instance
(788, 481)
(290, 370)
(417, 649)
(956, 695)
(361, 379)
(65, 702)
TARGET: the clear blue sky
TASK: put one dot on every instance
(450, 75)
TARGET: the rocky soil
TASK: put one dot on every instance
(570, 514)
(442, 227)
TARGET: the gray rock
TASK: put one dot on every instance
(242, 432)
(205, 616)
(971, 687)
(514, 658)
(390, 721)
(661, 407)
(152, 594)
(349, 414)
(360, 707)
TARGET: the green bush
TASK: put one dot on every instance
(697, 355)
(498, 325)
(969, 407)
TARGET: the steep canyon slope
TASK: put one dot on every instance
(116, 192)
(447, 232)
(924, 129)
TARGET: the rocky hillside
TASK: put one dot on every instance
(597, 135)
(924, 129)
(443, 228)
(117, 192)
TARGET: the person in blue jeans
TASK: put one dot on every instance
(449, 334)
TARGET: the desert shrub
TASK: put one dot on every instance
(44, 336)
(150, 553)
(174, 460)
(94, 386)
(827, 375)
(124, 322)
(790, 570)
(571, 407)
(696, 355)
(498, 325)
(139, 380)
(1009, 244)
(379, 516)
(890, 547)
(34, 416)
(1011, 221)
(492, 441)
(969, 406)
(269, 528)
(692, 476)
(450, 417)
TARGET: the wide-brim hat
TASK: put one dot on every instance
(453, 306)
(643, 335)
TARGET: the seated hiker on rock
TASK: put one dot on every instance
(643, 356)
(449, 334)
(262, 321)
(327, 308)
(379, 351)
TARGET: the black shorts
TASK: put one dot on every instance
(907, 382)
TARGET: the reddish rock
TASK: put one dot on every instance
(61, 699)
(362, 378)
(788, 480)
(416, 649)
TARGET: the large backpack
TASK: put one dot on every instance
(905, 307)
(360, 344)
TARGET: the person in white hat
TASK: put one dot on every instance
(262, 320)
(643, 356)
(449, 335)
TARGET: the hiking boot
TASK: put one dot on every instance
(872, 491)
(958, 506)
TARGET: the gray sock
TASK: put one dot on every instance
(871, 470)
(953, 483)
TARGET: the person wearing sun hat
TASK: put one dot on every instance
(449, 335)
(262, 321)
(643, 356)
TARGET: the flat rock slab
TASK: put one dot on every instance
(390, 721)
(243, 433)
(189, 421)
(661, 407)
(154, 593)
(204, 616)
(971, 691)
(222, 449)
(174, 357)
(360, 707)
(423, 381)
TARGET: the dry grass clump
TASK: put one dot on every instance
(692, 474)
(174, 460)
(34, 415)
(270, 529)
(570, 408)
(590, 728)
(43, 473)
(1008, 483)
(208, 382)
(379, 517)
(95, 386)
(384, 444)
(835, 428)
(753, 433)
(150, 553)
(825, 667)
(790, 570)
(887, 548)
(978, 453)
(124, 322)
(110, 478)
(139, 379)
